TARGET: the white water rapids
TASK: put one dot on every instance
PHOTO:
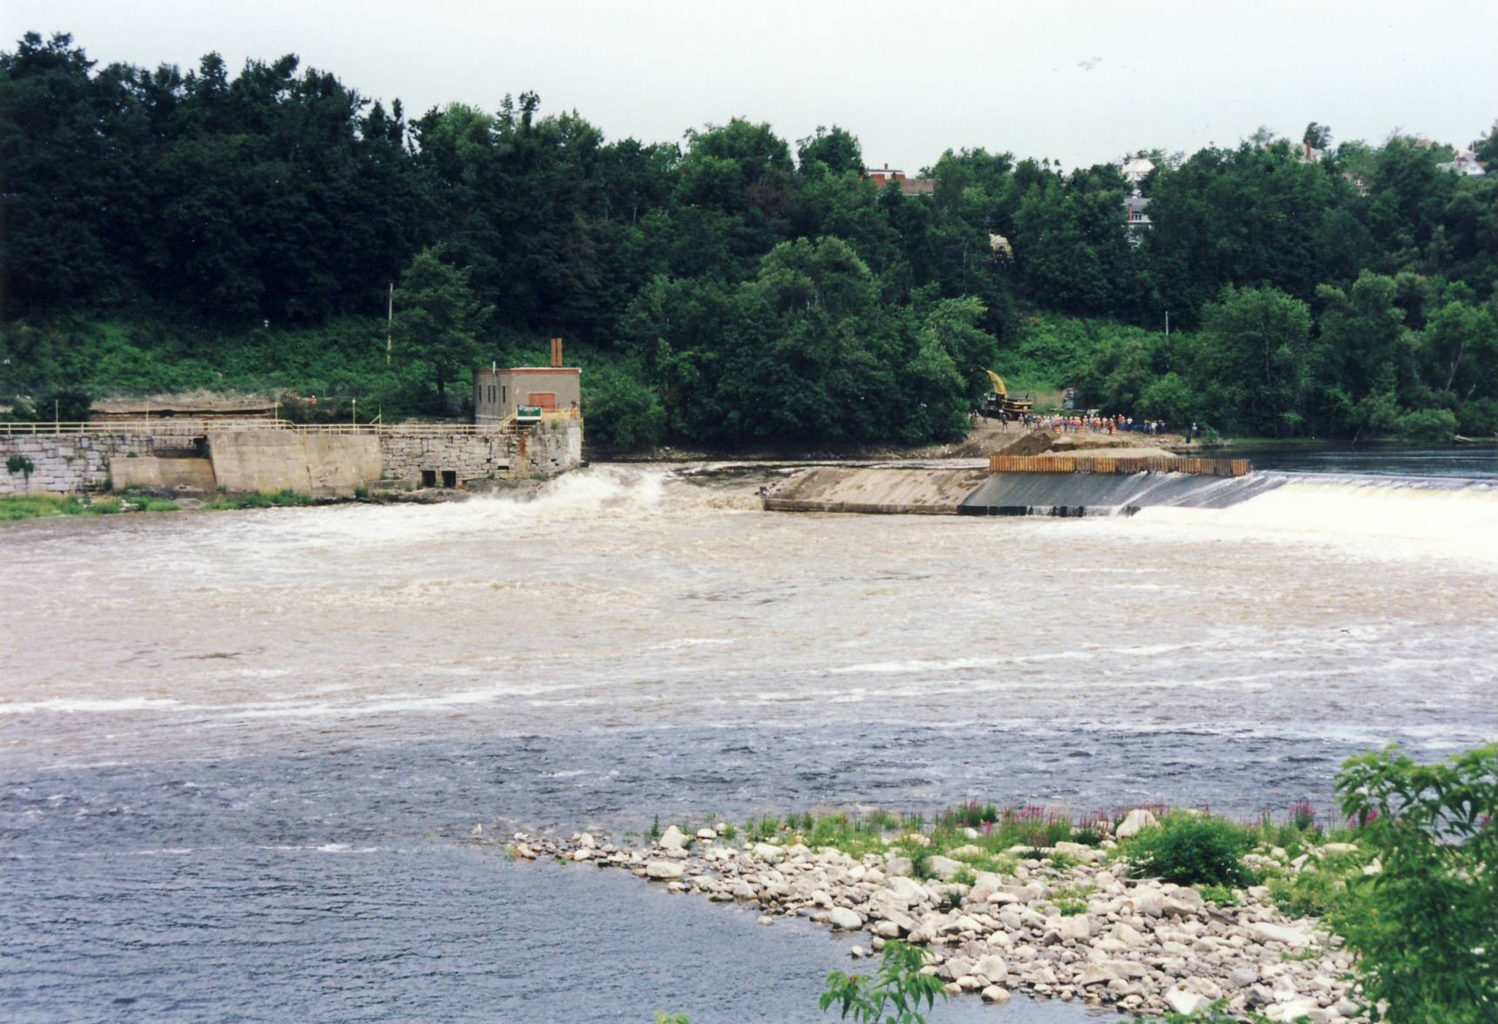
(646, 598)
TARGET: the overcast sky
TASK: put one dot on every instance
(1081, 82)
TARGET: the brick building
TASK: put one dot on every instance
(499, 393)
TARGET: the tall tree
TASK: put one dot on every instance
(1253, 359)
(437, 318)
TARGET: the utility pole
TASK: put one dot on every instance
(1167, 323)
(389, 322)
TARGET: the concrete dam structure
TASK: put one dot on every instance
(1111, 489)
(205, 456)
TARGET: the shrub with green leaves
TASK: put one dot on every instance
(1221, 895)
(894, 996)
(1193, 849)
(1427, 929)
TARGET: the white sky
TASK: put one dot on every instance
(1081, 82)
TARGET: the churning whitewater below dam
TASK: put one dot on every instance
(240, 753)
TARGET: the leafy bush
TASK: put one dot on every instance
(1427, 930)
(920, 860)
(21, 464)
(1221, 895)
(1313, 894)
(852, 835)
(1191, 849)
(765, 828)
(622, 411)
(1428, 425)
(899, 987)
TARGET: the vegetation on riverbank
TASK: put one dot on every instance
(1407, 878)
(263, 499)
(43, 506)
(171, 231)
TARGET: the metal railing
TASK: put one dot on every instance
(175, 426)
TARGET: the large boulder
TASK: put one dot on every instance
(847, 920)
(1185, 1002)
(1292, 1009)
(662, 870)
(1081, 853)
(769, 853)
(1263, 931)
(944, 868)
(1135, 822)
(992, 969)
(908, 890)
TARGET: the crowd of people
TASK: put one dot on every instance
(1075, 424)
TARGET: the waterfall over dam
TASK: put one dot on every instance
(1077, 494)
(975, 491)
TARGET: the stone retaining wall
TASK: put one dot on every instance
(546, 449)
(553, 447)
(277, 459)
(69, 464)
(468, 456)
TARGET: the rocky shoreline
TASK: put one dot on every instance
(1067, 922)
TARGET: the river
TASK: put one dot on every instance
(240, 752)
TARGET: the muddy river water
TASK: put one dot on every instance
(239, 752)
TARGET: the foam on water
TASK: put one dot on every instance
(1375, 518)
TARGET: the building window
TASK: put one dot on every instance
(449, 478)
(429, 478)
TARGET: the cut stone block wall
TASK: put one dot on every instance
(274, 460)
(470, 456)
(553, 447)
(68, 464)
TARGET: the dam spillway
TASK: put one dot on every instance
(1090, 494)
(1044, 486)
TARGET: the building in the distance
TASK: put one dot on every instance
(1136, 169)
(886, 176)
(1465, 164)
(527, 392)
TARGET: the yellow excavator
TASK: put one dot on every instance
(1000, 404)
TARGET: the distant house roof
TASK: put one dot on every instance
(1134, 207)
(1136, 169)
(887, 175)
(1465, 164)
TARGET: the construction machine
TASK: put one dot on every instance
(1001, 405)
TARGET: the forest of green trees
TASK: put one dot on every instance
(167, 230)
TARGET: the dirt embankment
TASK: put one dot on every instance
(1085, 443)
